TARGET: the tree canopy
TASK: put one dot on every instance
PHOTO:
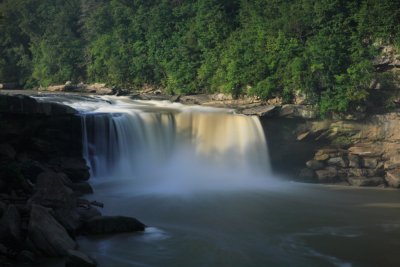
(267, 48)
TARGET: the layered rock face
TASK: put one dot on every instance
(361, 153)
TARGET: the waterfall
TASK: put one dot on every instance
(171, 146)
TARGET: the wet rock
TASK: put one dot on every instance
(87, 213)
(327, 174)
(261, 111)
(338, 161)
(10, 227)
(78, 259)
(315, 164)
(7, 152)
(112, 224)
(393, 178)
(47, 235)
(366, 181)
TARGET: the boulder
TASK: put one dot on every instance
(366, 181)
(47, 235)
(302, 136)
(10, 227)
(321, 157)
(51, 192)
(393, 178)
(87, 213)
(78, 259)
(112, 224)
(69, 218)
(315, 164)
(7, 152)
(327, 174)
(75, 168)
(261, 111)
(337, 161)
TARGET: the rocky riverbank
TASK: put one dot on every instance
(43, 179)
(359, 153)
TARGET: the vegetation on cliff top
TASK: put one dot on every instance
(320, 48)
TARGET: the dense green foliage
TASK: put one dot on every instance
(268, 48)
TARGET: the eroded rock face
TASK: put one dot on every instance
(47, 235)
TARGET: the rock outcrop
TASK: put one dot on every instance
(362, 153)
(42, 178)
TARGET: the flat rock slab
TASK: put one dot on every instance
(261, 111)
(112, 224)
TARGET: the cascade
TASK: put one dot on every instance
(170, 146)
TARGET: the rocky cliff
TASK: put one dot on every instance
(360, 153)
(43, 177)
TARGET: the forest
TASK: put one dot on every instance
(322, 49)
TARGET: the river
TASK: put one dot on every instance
(200, 180)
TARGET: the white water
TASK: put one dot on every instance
(165, 147)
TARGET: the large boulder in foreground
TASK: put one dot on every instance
(10, 227)
(112, 224)
(47, 235)
(78, 259)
